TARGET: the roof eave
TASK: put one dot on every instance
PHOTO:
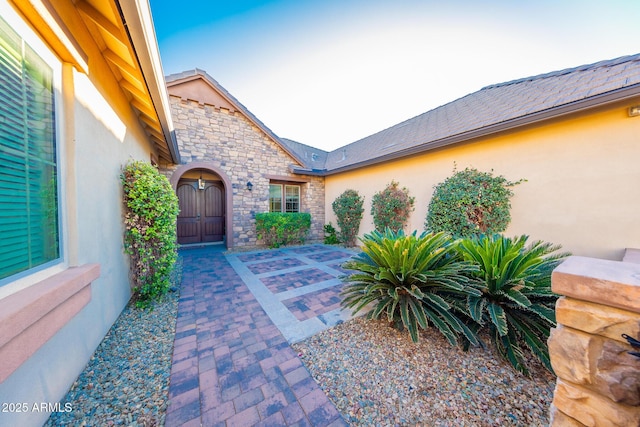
(139, 25)
(306, 171)
(540, 116)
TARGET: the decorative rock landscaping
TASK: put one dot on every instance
(126, 381)
(376, 375)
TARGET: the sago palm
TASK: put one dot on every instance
(516, 302)
(405, 278)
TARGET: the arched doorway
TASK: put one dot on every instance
(202, 201)
(210, 172)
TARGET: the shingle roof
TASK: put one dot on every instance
(492, 109)
(313, 158)
(495, 108)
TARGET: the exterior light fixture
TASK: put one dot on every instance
(249, 186)
(201, 183)
(634, 111)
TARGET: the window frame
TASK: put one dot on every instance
(283, 197)
(271, 198)
(286, 198)
(32, 275)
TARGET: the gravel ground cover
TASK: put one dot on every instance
(126, 382)
(376, 375)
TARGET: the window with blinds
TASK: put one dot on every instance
(29, 235)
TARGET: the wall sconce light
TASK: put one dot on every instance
(249, 186)
(634, 111)
(201, 183)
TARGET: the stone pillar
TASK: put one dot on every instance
(598, 380)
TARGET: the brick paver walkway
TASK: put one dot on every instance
(298, 287)
(231, 364)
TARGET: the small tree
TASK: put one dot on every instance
(391, 207)
(348, 209)
(470, 202)
(151, 210)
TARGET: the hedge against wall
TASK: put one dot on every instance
(277, 229)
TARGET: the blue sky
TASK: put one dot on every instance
(327, 73)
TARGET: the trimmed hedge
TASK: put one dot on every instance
(471, 202)
(277, 229)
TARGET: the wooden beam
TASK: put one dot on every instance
(151, 126)
(140, 96)
(148, 120)
(144, 110)
(160, 144)
(101, 21)
(125, 68)
(155, 133)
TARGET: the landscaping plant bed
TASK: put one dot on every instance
(376, 375)
(126, 382)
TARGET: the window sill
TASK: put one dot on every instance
(30, 317)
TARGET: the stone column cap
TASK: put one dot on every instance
(612, 283)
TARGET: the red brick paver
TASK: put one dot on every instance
(315, 303)
(295, 279)
(231, 365)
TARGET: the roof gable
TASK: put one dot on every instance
(197, 89)
(198, 86)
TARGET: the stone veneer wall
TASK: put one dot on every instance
(598, 380)
(231, 143)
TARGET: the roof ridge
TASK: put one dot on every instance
(557, 73)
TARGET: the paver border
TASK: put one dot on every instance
(291, 328)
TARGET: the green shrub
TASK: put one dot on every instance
(277, 229)
(151, 209)
(348, 208)
(470, 202)
(391, 207)
(405, 278)
(516, 302)
(330, 237)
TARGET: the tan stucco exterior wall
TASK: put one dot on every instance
(228, 143)
(582, 189)
(98, 134)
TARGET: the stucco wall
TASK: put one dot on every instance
(95, 141)
(582, 180)
(229, 143)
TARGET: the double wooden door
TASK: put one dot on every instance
(202, 212)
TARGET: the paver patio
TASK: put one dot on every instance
(237, 315)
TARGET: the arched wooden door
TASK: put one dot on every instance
(201, 217)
